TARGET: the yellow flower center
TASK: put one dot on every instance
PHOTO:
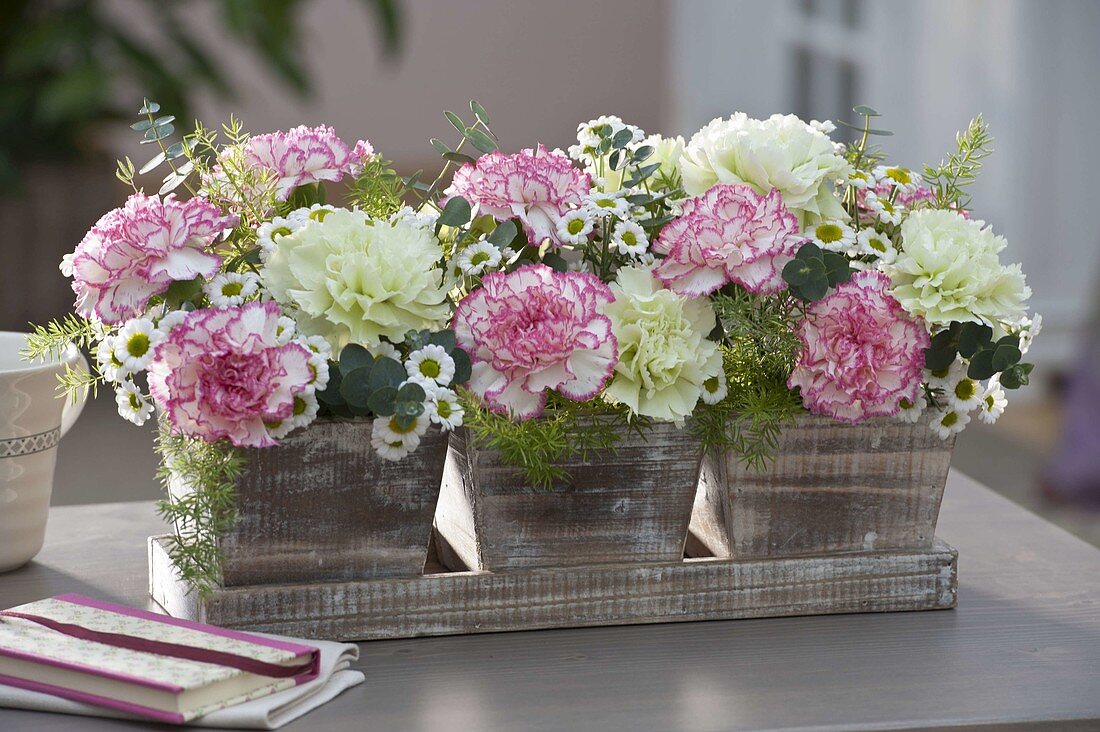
(575, 226)
(899, 175)
(299, 406)
(949, 419)
(905, 403)
(711, 384)
(400, 430)
(281, 231)
(443, 409)
(430, 368)
(232, 289)
(135, 403)
(965, 389)
(137, 345)
(629, 238)
(319, 214)
(877, 244)
(829, 233)
(479, 258)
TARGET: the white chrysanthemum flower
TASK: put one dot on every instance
(132, 404)
(883, 209)
(629, 238)
(833, 236)
(610, 203)
(781, 152)
(993, 402)
(508, 254)
(950, 422)
(715, 388)
(133, 346)
(393, 442)
(946, 378)
(876, 244)
(948, 270)
(305, 411)
(1029, 328)
(431, 363)
(285, 330)
(589, 135)
(443, 408)
(903, 179)
(385, 349)
(861, 179)
(425, 218)
(910, 411)
(575, 226)
(477, 258)
(353, 279)
(320, 353)
(231, 289)
(301, 216)
(269, 231)
(964, 394)
(170, 320)
(109, 367)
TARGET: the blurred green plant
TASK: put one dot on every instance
(67, 65)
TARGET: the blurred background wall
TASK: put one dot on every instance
(669, 66)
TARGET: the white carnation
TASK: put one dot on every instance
(780, 152)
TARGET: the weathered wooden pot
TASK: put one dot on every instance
(627, 505)
(832, 488)
(322, 505)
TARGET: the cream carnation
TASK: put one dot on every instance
(948, 270)
(781, 152)
(664, 354)
(353, 279)
(861, 353)
(536, 329)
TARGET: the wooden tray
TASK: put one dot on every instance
(449, 600)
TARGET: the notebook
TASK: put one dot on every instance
(155, 666)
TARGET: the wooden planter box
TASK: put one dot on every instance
(832, 488)
(323, 506)
(629, 505)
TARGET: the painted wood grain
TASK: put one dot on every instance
(630, 505)
(833, 487)
(479, 602)
(323, 505)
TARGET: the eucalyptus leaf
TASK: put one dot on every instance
(412, 392)
(981, 365)
(440, 146)
(555, 262)
(382, 400)
(480, 140)
(463, 366)
(152, 164)
(354, 356)
(142, 125)
(939, 359)
(622, 138)
(615, 159)
(503, 235)
(458, 158)
(866, 111)
(973, 337)
(479, 112)
(837, 269)
(149, 108)
(163, 121)
(456, 212)
(643, 153)
(1005, 356)
(445, 338)
(387, 372)
(330, 395)
(355, 387)
(455, 121)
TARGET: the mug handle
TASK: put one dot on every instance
(73, 407)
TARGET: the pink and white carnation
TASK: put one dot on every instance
(305, 155)
(862, 353)
(729, 234)
(536, 329)
(136, 251)
(221, 374)
(536, 186)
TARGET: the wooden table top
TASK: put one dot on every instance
(1022, 647)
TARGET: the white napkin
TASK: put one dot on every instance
(269, 712)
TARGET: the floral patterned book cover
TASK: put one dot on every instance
(151, 665)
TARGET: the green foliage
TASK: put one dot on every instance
(759, 349)
(362, 385)
(813, 271)
(974, 341)
(378, 190)
(950, 179)
(202, 512)
(566, 431)
(65, 64)
(51, 340)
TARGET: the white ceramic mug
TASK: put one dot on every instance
(33, 417)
